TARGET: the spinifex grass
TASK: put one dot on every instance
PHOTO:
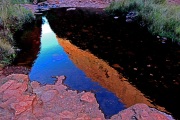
(161, 18)
(12, 17)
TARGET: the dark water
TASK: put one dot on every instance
(149, 63)
(52, 61)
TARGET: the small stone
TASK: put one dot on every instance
(62, 77)
(149, 65)
(35, 84)
(164, 38)
(135, 69)
(88, 97)
(116, 65)
(151, 74)
(116, 17)
(60, 80)
(163, 42)
(49, 95)
(69, 9)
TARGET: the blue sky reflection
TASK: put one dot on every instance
(53, 61)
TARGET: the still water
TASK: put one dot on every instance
(53, 61)
(92, 48)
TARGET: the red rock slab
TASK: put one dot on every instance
(6, 85)
(141, 112)
(13, 97)
(56, 102)
(88, 97)
(45, 102)
(49, 95)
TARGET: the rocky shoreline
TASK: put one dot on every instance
(43, 6)
(21, 99)
(35, 8)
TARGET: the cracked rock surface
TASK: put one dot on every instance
(21, 99)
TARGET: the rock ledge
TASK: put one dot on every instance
(22, 100)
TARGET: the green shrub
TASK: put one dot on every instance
(12, 18)
(162, 19)
(14, 15)
(7, 52)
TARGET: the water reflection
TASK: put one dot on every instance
(53, 61)
(99, 71)
(29, 43)
(47, 55)
(152, 66)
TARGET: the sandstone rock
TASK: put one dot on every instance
(6, 85)
(24, 103)
(55, 102)
(11, 93)
(60, 80)
(52, 115)
(47, 118)
(7, 103)
(66, 115)
(27, 115)
(38, 112)
(97, 119)
(49, 95)
(23, 87)
(15, 85)
(158, 116)
(141, 112)
(53, 1)
(83, 117)
(17, 77)
(88, 97)
(35, 84)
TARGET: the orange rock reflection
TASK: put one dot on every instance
(99, 71)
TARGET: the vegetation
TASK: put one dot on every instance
(37, 1)
(12, 18)
(161, 18)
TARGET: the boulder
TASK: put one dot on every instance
(141, 111)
